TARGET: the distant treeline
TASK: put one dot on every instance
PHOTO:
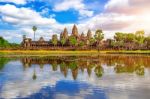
(4, 44)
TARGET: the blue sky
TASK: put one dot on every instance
(51, 16)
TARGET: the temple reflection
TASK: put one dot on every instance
(89, 64)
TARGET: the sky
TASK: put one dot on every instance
(51, 16)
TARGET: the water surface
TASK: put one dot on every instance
(75, 77)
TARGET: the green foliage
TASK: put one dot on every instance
(34, 75)
(140, 70)
(92, 41)
(63, 41)
(54, 39)
(73, 65)
(63, 65)
(73, 40)
(99, 35)
(147, 41)
(99, 71)
(81, 43)
(125, 37)
(140, 37)
(119, 43)
(119, 36)
(3, 43)
(54, 65)
(34, 28)
(130, 37)
(3, 61)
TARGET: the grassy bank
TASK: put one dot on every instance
(46, 52)
(129, 52)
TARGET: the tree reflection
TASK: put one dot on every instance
(121, 64)
(54, 65)
(64, 68)
(3, 61)
(34, 75)
(99, 71)
(139, 70)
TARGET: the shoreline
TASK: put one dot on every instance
(56, 52)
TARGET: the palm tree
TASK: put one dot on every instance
(34, 28)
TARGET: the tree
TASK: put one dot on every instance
(3, 61)
(99, 36)
(119, 36)
(129, 41)
(34, 28)
(54, 39)
(99, 71)
(147, 42)
(113, 44)
(73, 40)
(130, 37)
(139, 36)
(3, 43)
(63, 41)
(34, 75)
(119, 39)
(91, 41)
(54, 65)
(81, 43)
(119, 44)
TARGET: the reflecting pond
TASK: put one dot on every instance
(75, 77)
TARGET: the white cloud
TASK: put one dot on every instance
(127, 6)
(67, 4)
(137, 8)
(23, 16)
(109, 21)
(86, 13)
(23, 19)
(15, 1)
(118, 15)
(78, 5)
(116, 4)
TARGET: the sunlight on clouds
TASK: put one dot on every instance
(117, 15)
(73, 4)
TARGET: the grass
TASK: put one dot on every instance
(130, 52)
(48, 52)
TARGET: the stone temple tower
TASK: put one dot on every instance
(65, 33)
(75, 31)
(24, 37)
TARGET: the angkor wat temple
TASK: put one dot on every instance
(54, 43)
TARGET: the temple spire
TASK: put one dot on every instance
(89, 34)
(75, 31)
(82, 35)
(65, 33)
